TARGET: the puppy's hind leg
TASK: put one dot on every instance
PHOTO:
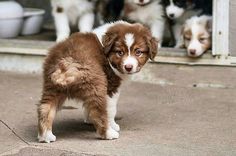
(62, 25)
(111, 111)
(86, 115)
(157, 29)
(86, 22)
(46, 114)
(179, 39)
(98, 115)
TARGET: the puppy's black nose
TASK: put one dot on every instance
(141, 1)
(172, 15)
(128, 67)
(192, 51)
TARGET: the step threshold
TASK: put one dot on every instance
(27, 47)
(165, 55)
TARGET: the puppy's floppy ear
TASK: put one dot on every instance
(209, 25)
(182, 36)
(152, 47)
(108, 40)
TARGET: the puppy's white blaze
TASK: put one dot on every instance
(131, 61)
(196, 29)
(129, 40)
(101, 30)
(194, 43)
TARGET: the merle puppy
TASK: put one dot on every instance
(178, 11)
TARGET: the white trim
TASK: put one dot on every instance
(214, 61)
(27, 47)
(179, 56)
(220, 39)
(12, 50)
(129, 40)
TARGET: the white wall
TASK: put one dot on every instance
(232, 34)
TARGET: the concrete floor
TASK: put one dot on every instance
(167, 110)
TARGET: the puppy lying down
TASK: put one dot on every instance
(197, 35)
(90, 67)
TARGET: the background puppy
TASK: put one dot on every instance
(148, 12)
(178, 11)
(197, 34)
(91, 69)
(108, 10)
(68, 13)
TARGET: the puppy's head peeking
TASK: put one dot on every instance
(197, 33)
(175, 8)
(128, 47)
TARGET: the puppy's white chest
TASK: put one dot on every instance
(147, 14)
(141, 15)
(74, 9)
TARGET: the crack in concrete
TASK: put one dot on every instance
(18, 136)
(211, 85)
(163, 82)
(45, 149)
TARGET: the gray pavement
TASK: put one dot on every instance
(167, 110)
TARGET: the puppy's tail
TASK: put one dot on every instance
(68, 72)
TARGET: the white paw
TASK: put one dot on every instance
(159, 45)
(47, 137)
(111, 134)
(179, 45)
(115, 126)
(61, 38)
(87, 121)
(86, 118)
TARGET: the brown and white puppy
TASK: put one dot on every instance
(83, 68)
(197, 32)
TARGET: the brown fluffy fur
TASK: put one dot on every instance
(77, 69)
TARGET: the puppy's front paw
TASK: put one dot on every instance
(115, 126)
(47, 137)
(111, 134)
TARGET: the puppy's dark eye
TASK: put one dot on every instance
(180, 3)
(165, 2)
(138, 52)
(187, 38)
(119, 53)
(202, 39)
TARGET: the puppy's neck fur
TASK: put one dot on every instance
(119, 74)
